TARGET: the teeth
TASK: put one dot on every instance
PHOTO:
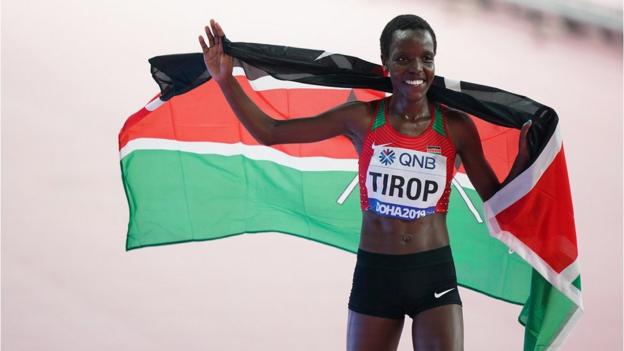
(415, 82)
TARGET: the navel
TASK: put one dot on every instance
(406, 238)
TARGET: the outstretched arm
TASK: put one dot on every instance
(265, 129)
(468, 145)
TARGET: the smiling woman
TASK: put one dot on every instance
(404, 263)
(410, 60)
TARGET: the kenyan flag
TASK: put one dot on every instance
(192, 172)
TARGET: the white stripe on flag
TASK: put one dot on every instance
(452, 84)
(524, 183)
(270, 83)
(324, 54)
(464, 196)
(463, 180)
(254, 152)
(513, 192)
(154, 104)
(348, 190)
(562, 281)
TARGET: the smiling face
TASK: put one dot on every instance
(410, 63)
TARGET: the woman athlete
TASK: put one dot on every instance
(407, 147)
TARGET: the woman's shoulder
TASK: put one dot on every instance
(359, 114)
(361, 108)
(460, 126)
(452, 114)
(456, 120)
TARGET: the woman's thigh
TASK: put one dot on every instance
(440, 328)
(365, 332)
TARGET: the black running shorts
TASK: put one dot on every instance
(392, 286)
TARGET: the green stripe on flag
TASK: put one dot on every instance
(225, 195)
(177, 196)
(545, 315)
(483, 263)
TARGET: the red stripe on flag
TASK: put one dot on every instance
(130, 123)
(544, 219)
(500, 145)
(203, 114)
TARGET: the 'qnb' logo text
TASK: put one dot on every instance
(420, 161)
(386, 157)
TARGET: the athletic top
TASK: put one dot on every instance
(402, 176)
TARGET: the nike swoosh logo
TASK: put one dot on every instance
(378, 146)
(437, 296)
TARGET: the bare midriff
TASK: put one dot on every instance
(397, 237)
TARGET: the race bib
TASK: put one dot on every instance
(404, 183)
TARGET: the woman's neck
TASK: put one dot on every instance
(409, 109)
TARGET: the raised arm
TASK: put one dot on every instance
(266, 130)
(464, 135)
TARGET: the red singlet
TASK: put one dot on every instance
(402, 176)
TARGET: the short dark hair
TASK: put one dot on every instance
(402, 22)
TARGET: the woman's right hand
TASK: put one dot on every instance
(352, 117)
(218, 63)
